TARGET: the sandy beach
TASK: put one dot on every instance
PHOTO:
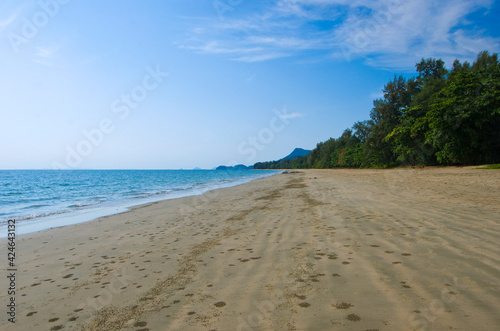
(401, 249)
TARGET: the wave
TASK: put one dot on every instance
(86, 204)
(153, 193)
(33, 216)
(35, 206)
(63, 197)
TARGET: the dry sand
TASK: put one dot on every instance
(316, 250)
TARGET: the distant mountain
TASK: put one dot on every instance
(296, 153)
(236, 167)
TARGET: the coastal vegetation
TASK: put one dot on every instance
(490, 166)
(438, 117)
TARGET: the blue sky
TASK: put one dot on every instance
(182, 84)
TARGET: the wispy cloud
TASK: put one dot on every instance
(260, 57)
(291, 115)
(46, 56)
(413, 29)
(15, 8)
(386, 33)
(46, 52)
(7, 21)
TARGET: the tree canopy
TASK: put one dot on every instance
(438, 117)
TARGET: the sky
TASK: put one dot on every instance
(177, 84)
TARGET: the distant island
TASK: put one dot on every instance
(297, 152)
(236, 167)
(440, 117)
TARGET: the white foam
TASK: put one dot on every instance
(86, 215)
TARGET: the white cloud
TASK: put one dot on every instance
(15, 9)
(414, 29)
(46, 52)
(386, 33)
(46, 56)
(6, 22)
(291, 115)
(260, 57)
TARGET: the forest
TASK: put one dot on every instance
(438, 117)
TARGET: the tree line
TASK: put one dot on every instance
(438, 117)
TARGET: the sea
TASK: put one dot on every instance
(42, 199)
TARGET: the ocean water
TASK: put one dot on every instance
(42, 199)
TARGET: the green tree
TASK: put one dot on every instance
(464, 118)
(437, 117)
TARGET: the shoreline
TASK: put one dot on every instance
(131, 209)
(63, 219)
(318, 249)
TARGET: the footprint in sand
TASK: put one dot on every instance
(405, 285)
(220, 304)
(342, 305)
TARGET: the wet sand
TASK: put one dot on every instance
(409, 249)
